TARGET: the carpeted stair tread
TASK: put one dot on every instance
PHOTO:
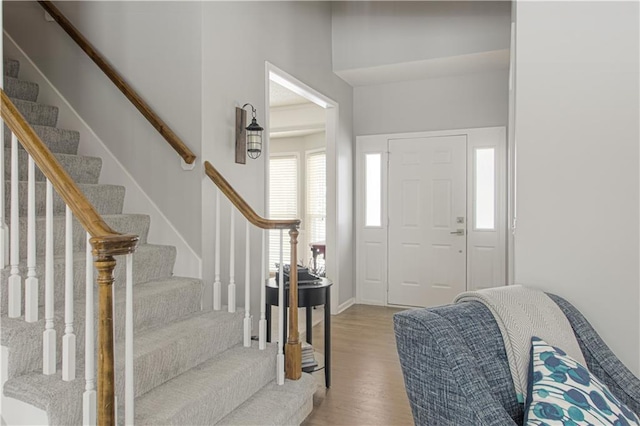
(155, 304)
(36, 113)
(62, 141)
(20, 89)
(81, 169)
(210, 391)
(163, 353)
(159, 302)
(150, 262)
(61, 400)
(276, 405)
(136, 224)
(107, 199)
(11, 67)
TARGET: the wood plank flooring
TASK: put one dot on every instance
(367, 386)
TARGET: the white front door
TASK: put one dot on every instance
(427, 189)
(412, 191)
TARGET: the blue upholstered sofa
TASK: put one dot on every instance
(456, 371)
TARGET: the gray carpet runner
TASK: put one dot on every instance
(190, 365)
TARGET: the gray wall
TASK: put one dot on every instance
(238, 37)
(156, 46)
(456, 102)
(367, 34)
(577, 132)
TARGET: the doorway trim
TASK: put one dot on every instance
(377, 293)
(331, 107)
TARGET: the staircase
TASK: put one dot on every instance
(190, 365)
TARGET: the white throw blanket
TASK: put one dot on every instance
(521, 313)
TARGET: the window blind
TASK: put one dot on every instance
(283, 202)
(316, 196)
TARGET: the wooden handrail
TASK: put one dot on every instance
(293, 347)
(242, 205)
(110, 241)
(187, 155)
(105, 241)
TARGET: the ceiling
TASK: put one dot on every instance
(280, 96)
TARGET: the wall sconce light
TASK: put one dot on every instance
(248, 139)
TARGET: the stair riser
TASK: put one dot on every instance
(57, 140)
(35, 113)
(25, 349)
(81, 169)
(107, 199)
(20, 89)
(125, 224)
(11, 68)
(148, 265)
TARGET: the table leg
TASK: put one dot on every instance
(268, 318)
(327, 340)
(309, 323)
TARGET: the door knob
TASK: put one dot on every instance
(459, 232)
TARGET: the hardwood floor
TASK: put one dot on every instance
(367, 386)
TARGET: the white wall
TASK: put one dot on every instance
(456, 102)
(156, 46)
(367, 34)
(238, 37)
(577, 132)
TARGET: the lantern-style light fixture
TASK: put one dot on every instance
(248, 139)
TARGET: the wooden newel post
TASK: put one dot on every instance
(106, 382)
(293, 350)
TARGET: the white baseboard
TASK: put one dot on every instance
(162, 231)
(346, 305)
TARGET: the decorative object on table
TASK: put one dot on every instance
(309, 362)
(563, 392)
(248, 139)
(304, 276)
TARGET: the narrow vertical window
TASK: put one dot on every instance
(485, 191)
(373, 189)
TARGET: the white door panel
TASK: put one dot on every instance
(427, 195)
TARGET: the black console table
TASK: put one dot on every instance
(309, 295)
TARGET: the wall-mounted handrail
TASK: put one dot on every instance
(243, 206)
(105, 241)
(178, 145)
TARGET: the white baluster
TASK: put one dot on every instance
(49, 335)
(4, 229)
(89, 395)
(217, 286)
(282, 305)
(231, 296)
(128, 344)
(262, 324)
(69, 338)
(15, 281)
(31, 283)
(247, 288)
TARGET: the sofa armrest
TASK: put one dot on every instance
(601, 361)
(443, 383)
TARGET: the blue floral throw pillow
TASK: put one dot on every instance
(563, 392)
